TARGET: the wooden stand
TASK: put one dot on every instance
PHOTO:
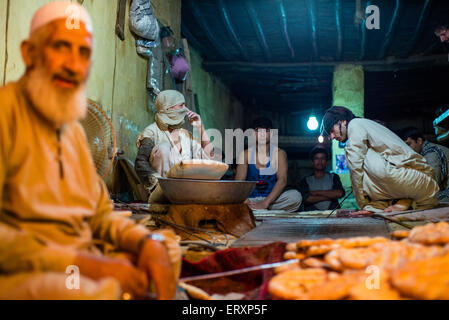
(233, 219)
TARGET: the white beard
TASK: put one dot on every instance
(59, 106)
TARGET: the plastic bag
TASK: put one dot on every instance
(144, 47)
(179, 66)
(142, 20)
(155, 74)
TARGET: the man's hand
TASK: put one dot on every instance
(259, 205)
(194, 119)
(320, 193)
(155, 261)
(131, 279)
(150, 183)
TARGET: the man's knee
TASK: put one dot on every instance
(289, 200)
(295, 198)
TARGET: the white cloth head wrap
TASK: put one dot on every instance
(165, 118)
(73, 12)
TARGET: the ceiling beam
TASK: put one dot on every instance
(433, 46)
(284, 26)
(414, 62)
(309, 95)
(312, 94)
(313, 25)
(191, 38)
(269, 76)
(418, 26)
(363, 31)
(259, 30)
(207, 30)
(272, 73)
(389, 35)
(338, 9)
(230, 28)
(403, 99)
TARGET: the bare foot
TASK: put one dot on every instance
(396, 207)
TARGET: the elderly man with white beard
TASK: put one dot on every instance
(54, 207)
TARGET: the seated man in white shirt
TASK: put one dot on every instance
(321, 190)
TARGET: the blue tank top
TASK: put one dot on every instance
(265, 183)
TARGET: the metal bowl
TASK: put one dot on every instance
(188, 191)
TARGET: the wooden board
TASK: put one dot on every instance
(3, 23)
(290, 230)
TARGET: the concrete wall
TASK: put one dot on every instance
(3, 24)
(348, 91)
(118, 76)
(217, 107)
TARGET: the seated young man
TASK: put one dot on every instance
(269, 169)
(321, 190)
(436, 155)
(441, 28)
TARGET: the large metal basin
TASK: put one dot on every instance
(188, 191)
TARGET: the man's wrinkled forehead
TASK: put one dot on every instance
(78, 35)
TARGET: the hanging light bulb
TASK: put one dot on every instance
(321, 139)
(312, 124)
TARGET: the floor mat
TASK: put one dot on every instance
(290, 230)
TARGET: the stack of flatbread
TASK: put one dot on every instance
(368, 268)
(198, 169)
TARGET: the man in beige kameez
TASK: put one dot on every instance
(386, 174)
(54, 208)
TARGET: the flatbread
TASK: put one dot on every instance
(294, 284)
(201, 169)
(423, 279)
(431, 233)
(195, 292)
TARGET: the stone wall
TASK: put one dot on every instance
(348, 91)
(118, 76)
(218, 108)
